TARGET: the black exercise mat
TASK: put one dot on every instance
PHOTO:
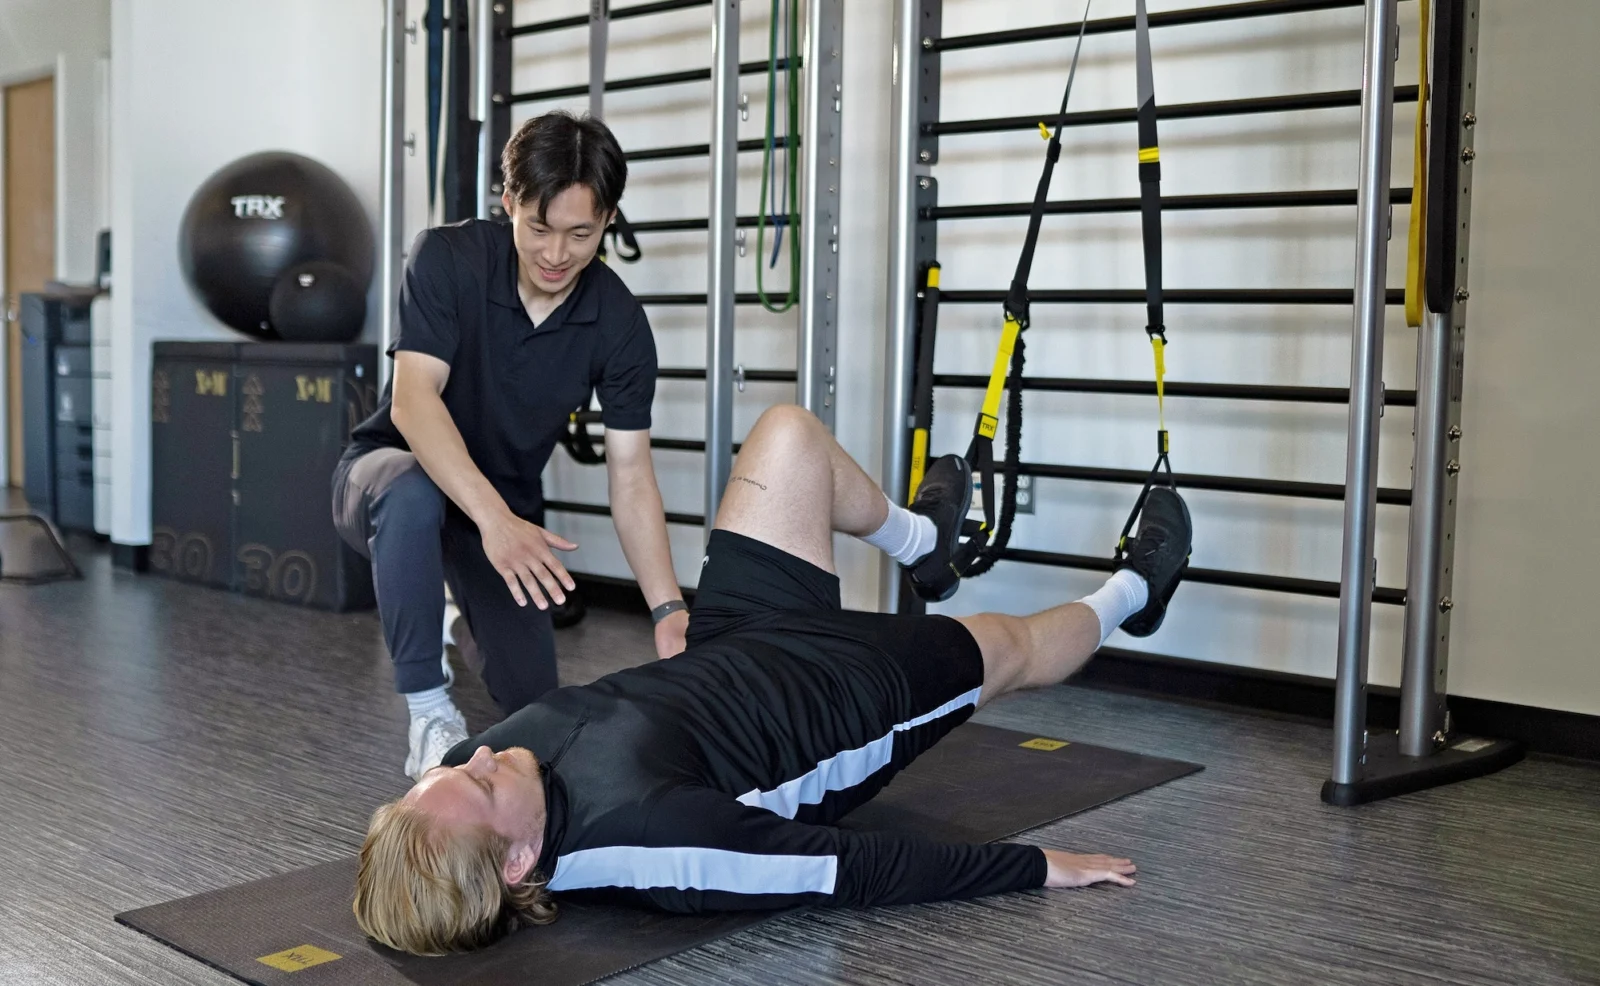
(979, 784)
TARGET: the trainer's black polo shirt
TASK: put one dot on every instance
(512, 385)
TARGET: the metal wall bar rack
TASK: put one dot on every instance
(1429, 750)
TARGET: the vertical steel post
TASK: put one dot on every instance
(901, 335)
(1424, 718)
(1366, 391)
(599, 31)
(1422, 705)
(720, 260)
(498, 122)
(483, 89)
(822, 148)
(392, 205)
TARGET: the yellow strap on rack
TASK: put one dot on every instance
(989, 420)
(1416, 249)
(1044, 131)
(919, 462)
(1160, 346)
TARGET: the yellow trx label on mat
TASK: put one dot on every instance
(1040, 743)
(300, 957)
(1149, 155)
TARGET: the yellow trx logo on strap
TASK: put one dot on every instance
(1160, 346)
(989, 418)
(1149, 155)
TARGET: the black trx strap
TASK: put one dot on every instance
(1150, 213)
(577, 440)
(985, 545)
(623, 241)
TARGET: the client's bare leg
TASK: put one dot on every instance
(1033, 651)
(792, 486)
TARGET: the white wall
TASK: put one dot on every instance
(1529, 243)
(1527, 521)
(208, 82)
(197, 84)
(1530, 514)
(64, 39)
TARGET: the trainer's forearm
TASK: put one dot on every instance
(424, 421)
(641, 525)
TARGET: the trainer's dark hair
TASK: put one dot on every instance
(551, 153)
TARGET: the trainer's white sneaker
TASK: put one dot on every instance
(431, 738)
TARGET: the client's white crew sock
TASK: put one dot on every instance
(904, 536)
(433, 703)
(1123, 595)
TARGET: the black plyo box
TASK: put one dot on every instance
(245, 440)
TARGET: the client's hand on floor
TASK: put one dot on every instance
(1071, 870)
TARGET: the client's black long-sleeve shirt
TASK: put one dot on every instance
(706, 782)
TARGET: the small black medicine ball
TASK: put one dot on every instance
(317, 301)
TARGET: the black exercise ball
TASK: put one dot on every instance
(317, 301)
(258, 217)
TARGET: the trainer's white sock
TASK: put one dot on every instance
(904, 536)
(434, 702)
(1123, 595)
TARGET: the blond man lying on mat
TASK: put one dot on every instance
(712, 781)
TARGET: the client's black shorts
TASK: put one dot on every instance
(749, 586)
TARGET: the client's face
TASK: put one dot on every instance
(500, 791)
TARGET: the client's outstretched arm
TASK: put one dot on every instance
(708, 852)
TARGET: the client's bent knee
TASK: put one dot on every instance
(787, 419)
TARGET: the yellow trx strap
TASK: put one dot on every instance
(1159, 345)
(1415, 247)
(989, 419)
(922, 383)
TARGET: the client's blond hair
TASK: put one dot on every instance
(427, 890)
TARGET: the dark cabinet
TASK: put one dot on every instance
(245, 438)
(57, 409)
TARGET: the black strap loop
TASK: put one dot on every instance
(623, 240)
(577, 440)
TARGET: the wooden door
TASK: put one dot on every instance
(30, 227)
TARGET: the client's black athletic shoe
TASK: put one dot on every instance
(1160, 554)
(944, 497)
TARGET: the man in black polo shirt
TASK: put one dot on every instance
(504, 330)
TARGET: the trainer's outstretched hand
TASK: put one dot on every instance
(1071, 870)
(521, 553)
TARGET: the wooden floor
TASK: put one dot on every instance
(160, 740)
